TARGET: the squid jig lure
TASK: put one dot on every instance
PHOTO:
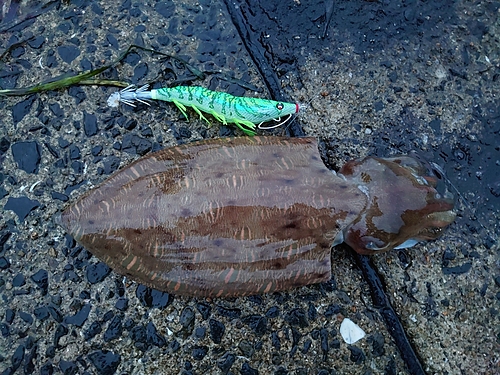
(246, 113)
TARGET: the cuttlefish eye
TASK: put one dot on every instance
(280, 106)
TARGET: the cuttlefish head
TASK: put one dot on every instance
(403, 206)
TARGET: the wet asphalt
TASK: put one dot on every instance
(376, 78)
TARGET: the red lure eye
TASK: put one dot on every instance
(280, 106)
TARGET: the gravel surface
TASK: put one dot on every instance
(382, 78)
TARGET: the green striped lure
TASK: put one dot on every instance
(246, 113)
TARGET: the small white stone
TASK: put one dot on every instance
(350, 331)
(114, 99)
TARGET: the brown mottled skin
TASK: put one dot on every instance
(239, 216)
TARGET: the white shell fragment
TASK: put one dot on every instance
(350, 331)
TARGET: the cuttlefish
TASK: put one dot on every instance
(239, 216)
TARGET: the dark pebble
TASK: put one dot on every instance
(133, 144)
(217, 330)
(136, 12)
(111, 164)
(41, 312)
(86, 65)
(186, 320)
(9, 316)
(55, 314)
(4, 236)
(146, 131)
(154, 337)
(96, 273)
(247, 370)
(130, 124)
(74, 152)
(458, 73)
(204, 309)
(226, 131)
(357, 355)
(497, 281)
(256, 322)
(5, 329)
(80, 317)
(152, 297)
(165, 8)
(36, 42)
(377, 341)
(129, 324)
(26, 317)
(332, 310)
(246, 348)
(41, 279)
(312, 313)
(63, 143)
(307, 346)
(56, 109)
(93, 330)
(297, 317)
(21, 206)
(59, 196)
(495, 188)
(27, 155)
(132, 58)
(105, 362)
(163, 40)
(114, 330)
(4, 263)
(68, 53)
(199, 352)
(90, 124)
(140, 71)
(229, 313)
(113, 42)
(189, 31)
(68, 368)
(139, 336)
(17, 357)
(22, 108)
(47, 369)
(226, 361)
(257, 299)
(108, 316)
(143, 147)
(275, 341)
(273, 312)
(447, 256)
(122, 304)
(61, 331)
(180, 132)
(30, 360)
(17, 52)
(50, 352)
(200, 332)
(77, 93)
(174, 346)
(96, 150)
(457, 270)
(115, 133)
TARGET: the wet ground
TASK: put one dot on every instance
(378, 77)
